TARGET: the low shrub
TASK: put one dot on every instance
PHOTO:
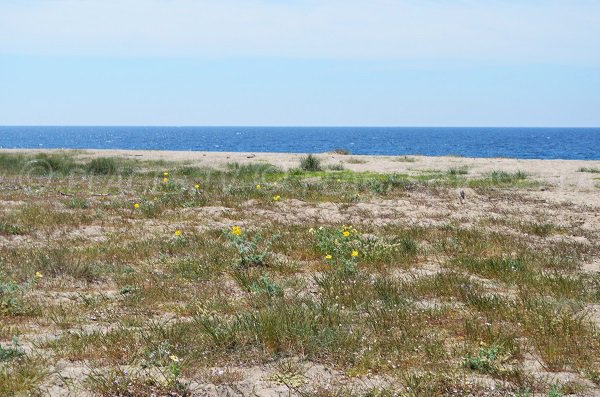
(310, 163)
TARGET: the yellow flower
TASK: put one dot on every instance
(165, 174)
(236, 230)
(354, 254)
(197, 186)
(346, 233)
(136, 205)
(257, 187)
(276, 198)
(174, 358)
(178, 232)
(165, 179)
(328, 256)
(38, 275)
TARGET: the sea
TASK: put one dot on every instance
(520, 143)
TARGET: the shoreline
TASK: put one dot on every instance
(155, 154)
(546, 169)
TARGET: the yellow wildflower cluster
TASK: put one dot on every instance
(276, 197)
(236, 230)
(178, 232)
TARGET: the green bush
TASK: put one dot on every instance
(310, 163)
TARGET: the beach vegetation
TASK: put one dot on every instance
(589, 169)
(355, 160)
(149, 287)
(342, 151)
(102, 166)
(454, 171)
(310, 163)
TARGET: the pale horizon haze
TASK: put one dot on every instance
(300, 62)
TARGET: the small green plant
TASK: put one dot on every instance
(555, 392)
(310, 163)
(336, 242)
(10, 229)
(484, 361)
(11, 296)
(340, 247)
(174, 369)
(128, 289)
(289, 373)
(252, 250)
(264, 285)
(151, 209)
(11, 352)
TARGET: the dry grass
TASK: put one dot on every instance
(139, 281)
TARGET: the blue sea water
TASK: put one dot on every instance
(523, 143)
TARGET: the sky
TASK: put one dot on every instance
(300, 62)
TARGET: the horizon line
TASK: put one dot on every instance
(286, 126)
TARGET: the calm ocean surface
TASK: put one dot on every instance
(524, 143)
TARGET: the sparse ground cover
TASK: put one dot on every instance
(124, 277)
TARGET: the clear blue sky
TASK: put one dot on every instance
(300, 62)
